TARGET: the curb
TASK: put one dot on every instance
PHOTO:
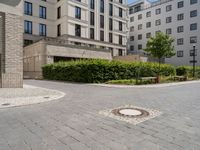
(147, 86)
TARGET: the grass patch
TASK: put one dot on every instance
(164, 79)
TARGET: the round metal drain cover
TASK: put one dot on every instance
(130, 112)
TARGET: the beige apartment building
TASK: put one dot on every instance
(93, 28)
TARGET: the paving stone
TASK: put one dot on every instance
(74, 122)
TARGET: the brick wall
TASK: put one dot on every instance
(12, 54)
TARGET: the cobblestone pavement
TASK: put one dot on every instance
(73, 122)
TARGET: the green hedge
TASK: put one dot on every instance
(187, 71)
(99, 71)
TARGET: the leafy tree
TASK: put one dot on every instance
(160, 47)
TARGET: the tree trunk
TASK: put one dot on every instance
(158, 75)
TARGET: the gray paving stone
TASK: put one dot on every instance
(73, 122)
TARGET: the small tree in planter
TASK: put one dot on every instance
(160, 47)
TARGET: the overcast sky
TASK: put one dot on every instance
(130, 1)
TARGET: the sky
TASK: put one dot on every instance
(131, 1)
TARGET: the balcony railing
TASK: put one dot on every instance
(153, 4)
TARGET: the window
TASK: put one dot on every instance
(101, 35)
(180, 4)
(121, 1)
(192, 53)
(101, 21)
(91, 33)
(120, 39)
(193, 1)
(193, 26)
(77, 12)
(148, 24)
(169, 31)
(180, 16)
(42, 30)
(27, 42)
(193, 13)
(28, 8)
(193, 39)
(179, 53)
(140, 27)
(120, 26)
(131, 48)
(148, 14)
(102, 6)
(158, 22)
(43, 12)
(139, 36)
(139, 46)
(180, 41)
(168, 19)
(28, 27)
(168, 8)
(92, 18)
(131, 19)
(120, 12)
(110, 24)
(77, 30)
(92, 4)
(110, 37)
(148, 35)
(158, 11)
(110, 9)
(139, 16)
(59, 30)
(180, 29)
(132, 28)
(158, 31)
(120, 52)
(132, 38)
(58, 12)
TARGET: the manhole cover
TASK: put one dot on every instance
(130, 112)
(5, 104)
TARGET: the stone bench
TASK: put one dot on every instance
(180, 78)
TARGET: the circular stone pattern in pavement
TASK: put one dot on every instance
(130, 112)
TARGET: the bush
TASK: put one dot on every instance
(187, 71)
(99, 71)
(181, 71)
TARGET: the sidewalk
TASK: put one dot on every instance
(27, 95)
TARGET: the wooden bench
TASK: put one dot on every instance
(180, 78)
(152, 79)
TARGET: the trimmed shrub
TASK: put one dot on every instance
(99, 71)
(187, 71)
(181, 71)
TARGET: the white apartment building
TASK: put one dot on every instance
(178, 18)
(93, 23)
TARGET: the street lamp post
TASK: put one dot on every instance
(194, 61)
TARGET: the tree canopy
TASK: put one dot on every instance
(160, 46)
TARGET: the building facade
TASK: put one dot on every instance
(99, 24)
(11, 44)
(178, 18)
(57, 30)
